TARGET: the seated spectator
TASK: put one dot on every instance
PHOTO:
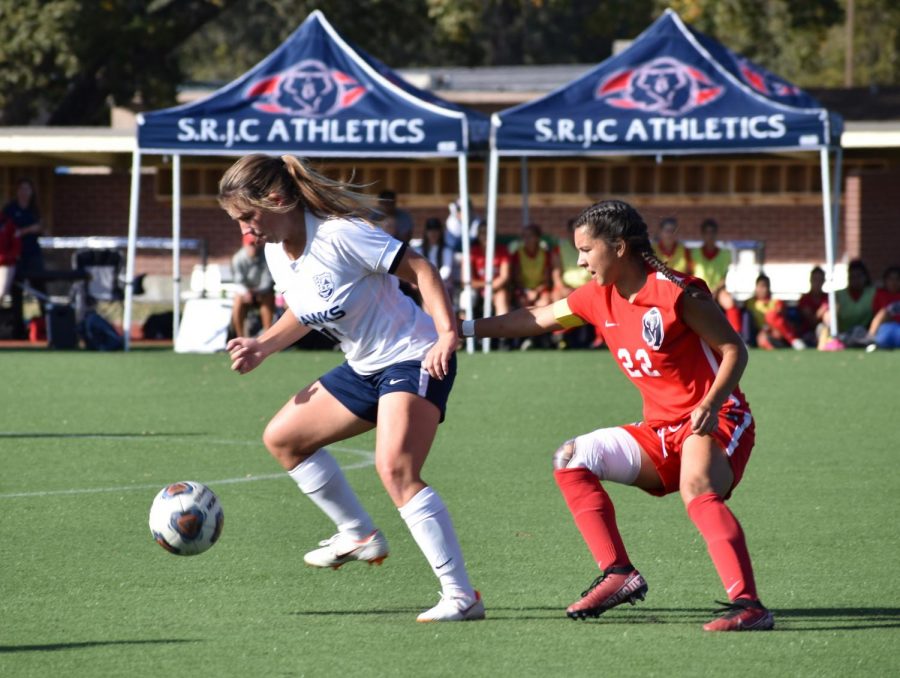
(453, 234)
(567, 274)
(499, 284)
(397, 222)
(669, 250)
(567, 277)
(770, 326)
(532, 275)
(438, 253)
(10, 248)
(854, 310)
(252, 273)
(812, 307)
(885, 327)
(532, 264)
(711, 264)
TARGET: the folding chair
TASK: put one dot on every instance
(105, 268)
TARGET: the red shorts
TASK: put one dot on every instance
(735, 434)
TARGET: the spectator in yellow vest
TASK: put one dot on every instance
(711, 263)
(567, 274)
(770, 325)
(531, 269)
(669, 250)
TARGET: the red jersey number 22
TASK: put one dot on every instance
(645, 367)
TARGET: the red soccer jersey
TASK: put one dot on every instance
(478, 257)
(666, 360)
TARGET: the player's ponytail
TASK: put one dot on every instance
(614, 220)
(327, 197)
(254, 181)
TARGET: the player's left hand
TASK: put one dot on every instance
(437, 360)
(704, 419)
(245, 354)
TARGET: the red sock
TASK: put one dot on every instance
(726, 544)
(734, 318)
(594, 515)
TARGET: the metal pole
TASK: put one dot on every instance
(493, 171)
(176, 243)
(133, 203)
(464, 215)
(827, 209)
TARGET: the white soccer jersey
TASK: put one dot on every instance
(342, 287)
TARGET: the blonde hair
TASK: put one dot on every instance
(253, 180)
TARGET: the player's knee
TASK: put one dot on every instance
(563, 455)
(395, 477)
(288, 451)
(610, 454)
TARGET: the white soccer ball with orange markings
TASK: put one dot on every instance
(186, 518)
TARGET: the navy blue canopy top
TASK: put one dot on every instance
(673, 90)
(315, 95)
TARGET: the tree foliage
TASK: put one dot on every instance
(67, 61)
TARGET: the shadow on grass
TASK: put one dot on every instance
(354, 613)
(786, 619)
(54, 647)
(113, 436)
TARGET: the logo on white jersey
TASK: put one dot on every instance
(652, 328)
(324, 284)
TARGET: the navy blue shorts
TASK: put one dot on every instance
(360, 394)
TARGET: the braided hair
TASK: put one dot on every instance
(613, 220)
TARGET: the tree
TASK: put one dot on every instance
(804, 41)
(65, 61)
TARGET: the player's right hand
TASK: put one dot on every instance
(245, 353)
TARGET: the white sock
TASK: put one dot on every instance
(430, 525)
(320, 478)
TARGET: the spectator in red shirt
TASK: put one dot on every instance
(812, 306)
(10, 249)
(501, 280)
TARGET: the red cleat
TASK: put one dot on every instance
(742, 615)
(614, 587)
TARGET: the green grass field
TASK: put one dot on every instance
(86, 440)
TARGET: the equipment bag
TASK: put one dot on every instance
(98, 334)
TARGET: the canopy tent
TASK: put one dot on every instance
(315, 95)
(673, 91)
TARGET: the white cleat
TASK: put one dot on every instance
(454, 609)
(342, 548)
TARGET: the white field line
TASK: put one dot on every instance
(368, 459)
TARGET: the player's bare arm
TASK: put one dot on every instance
(415, 269)
(523, 322)
(247, 352)
(704, 317)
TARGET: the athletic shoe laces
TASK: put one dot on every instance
(735, 607)
(331, 540)
(594, 584)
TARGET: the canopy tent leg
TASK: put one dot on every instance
(176, 243)
(837, 191)
(133, 203)
(828, 211)
(465, 216)
(493, 171)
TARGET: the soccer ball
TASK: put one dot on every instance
(186, 518)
